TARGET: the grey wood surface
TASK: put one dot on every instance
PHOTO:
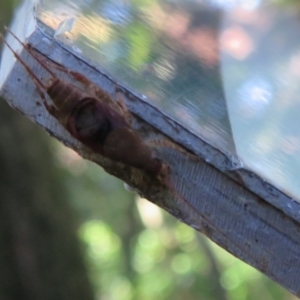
(210, 191)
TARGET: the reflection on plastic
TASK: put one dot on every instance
(64, 26)
(260, 74)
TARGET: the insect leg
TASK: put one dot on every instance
(121, 104)
(163, 143)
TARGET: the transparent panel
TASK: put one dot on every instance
(168, 53)
(261, 72)
(226, 70)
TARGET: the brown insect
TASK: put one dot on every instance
(94, 118)
(100, 123)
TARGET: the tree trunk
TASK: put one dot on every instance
(39, 252)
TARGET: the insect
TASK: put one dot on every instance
(102, 124)
(94, 118)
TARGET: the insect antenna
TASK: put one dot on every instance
(27, 47)
(28, 69)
